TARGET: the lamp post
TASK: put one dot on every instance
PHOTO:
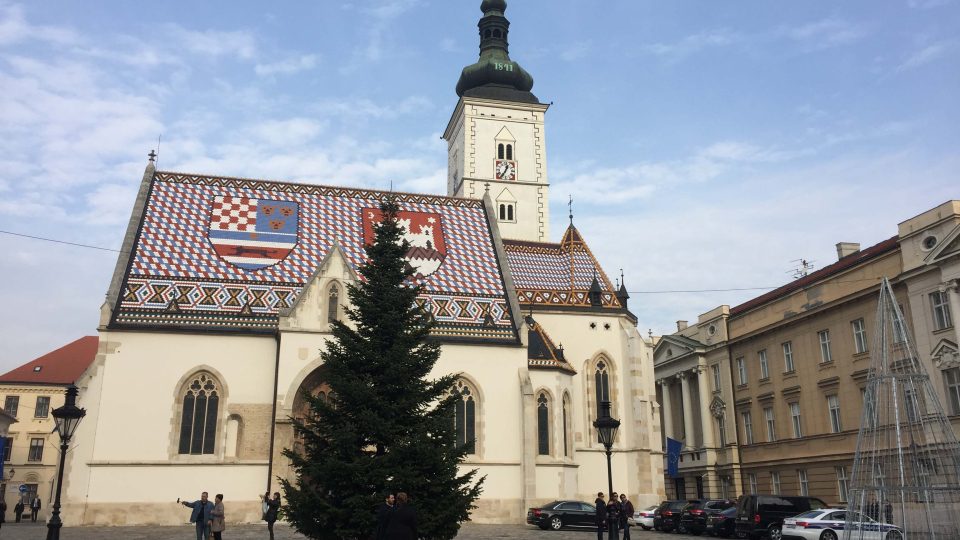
(67, 418)
(607, 430)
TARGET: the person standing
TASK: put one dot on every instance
(273, 510)
(384, 513)
(613, 517)
(403, 522)
(217, 522)
(18, 510)
(200, 515)
(601, 517)
(3, 511)
(34, 508)
(626, 512)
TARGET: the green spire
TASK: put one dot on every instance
(494, 75)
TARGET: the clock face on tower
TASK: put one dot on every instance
(505, 169)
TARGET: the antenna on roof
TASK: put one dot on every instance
(802, 268)
(158, 149)
(391, 186)
(570, 206)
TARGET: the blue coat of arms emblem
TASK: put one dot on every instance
(253, 233)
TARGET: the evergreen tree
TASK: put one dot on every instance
(386, 427)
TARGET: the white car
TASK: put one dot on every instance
(828, 524)
(643, 518)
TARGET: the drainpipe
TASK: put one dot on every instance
(273, 414)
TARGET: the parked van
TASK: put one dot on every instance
(760, 516)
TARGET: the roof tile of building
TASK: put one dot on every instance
(845, 263)
(61, 366)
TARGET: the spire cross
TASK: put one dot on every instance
(152, 155)
(570, 206)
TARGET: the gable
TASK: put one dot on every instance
(505, 135)
(949, 247)
(217, 253)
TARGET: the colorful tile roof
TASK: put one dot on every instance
(541, 352)
(62, 366)
(549, 274)
(231, 253)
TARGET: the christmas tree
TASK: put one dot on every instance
(386, 426)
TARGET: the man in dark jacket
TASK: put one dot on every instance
(384, 513)
(200, 515)
(613, 517)
(601, 517)
(403, 522)
(626, 512)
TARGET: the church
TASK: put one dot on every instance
(225, 289)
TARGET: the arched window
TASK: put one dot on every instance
(333, 304)
(566, 426)
(496, 33)
(465, 415)
(487, 33)
(543, 425)
(201, 409)
(500, 151)
(503, 212)
(509, 212)
(509, 151)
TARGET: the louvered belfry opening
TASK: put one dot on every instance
(906, 470)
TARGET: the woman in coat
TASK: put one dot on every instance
(403, 522)
(273, 509)
(217, 522)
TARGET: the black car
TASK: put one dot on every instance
(762, 515)
(694, 517)
(667, 517)
(560, 514)
(722, 523)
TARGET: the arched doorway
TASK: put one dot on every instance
(313, 384)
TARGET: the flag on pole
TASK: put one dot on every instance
(673, 457)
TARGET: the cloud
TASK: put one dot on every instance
(14, 28)
(825, 33)
(926, 55)
(576, 51)
(287, 66)
(365, 108)
(694, 43)
(928, 4)
(215, 43)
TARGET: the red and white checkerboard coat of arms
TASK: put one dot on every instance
(424, 232)
(253, 233)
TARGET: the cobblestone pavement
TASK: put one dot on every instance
(470, 531)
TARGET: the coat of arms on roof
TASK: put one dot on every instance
(424, 232)
(253, 233)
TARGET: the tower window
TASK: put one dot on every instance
(509, 151)
(487, 33)
(503, 212)
(496, 33)
(509, 212)
(500, 151)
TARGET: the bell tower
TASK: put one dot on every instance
(496, 136)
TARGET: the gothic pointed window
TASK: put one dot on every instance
(198, 419)
(333, 304)
(543, 425)
(465, 415)
(566, 426)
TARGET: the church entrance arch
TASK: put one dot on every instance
(313, 384)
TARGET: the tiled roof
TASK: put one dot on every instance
(62, 366)
(541, 352)
(845, 263)
(231, 253)
(557, 274)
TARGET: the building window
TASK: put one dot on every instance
(11, 405)
(764, 367)
(716, 377)
(804, 482)
(510, 212)
(201, 412)
(795, 417)
(43, 407)
(7, 448)
(752, 479)
(465, 416)
(36, 450)
(741, 371)
(842, 483)
(509, 151)
(912, 407)
(747, 427)
(771, 425)
(941, 310)
(899, 329)
(543, 425)
(566, 426)
(775, 483)
(833, 405)
(722, 430)
(859, 336)
(788, 366)
(951, 378)
(500, 151)
(825, 355)
(333, 304)
(506, 212)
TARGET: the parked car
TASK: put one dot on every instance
(762, 515)
(669, 517)
(828, 524)
(560, 514)
(643, 518)
(694, 517)
(722, 523)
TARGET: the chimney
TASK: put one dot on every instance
(681, 325)
(847, 248)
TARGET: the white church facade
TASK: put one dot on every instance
(223, 296)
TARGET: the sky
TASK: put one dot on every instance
(706, 144)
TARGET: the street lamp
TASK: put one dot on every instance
(67, 418)
(607, 429)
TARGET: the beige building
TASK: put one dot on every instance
(32, 448)
(692, 368)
